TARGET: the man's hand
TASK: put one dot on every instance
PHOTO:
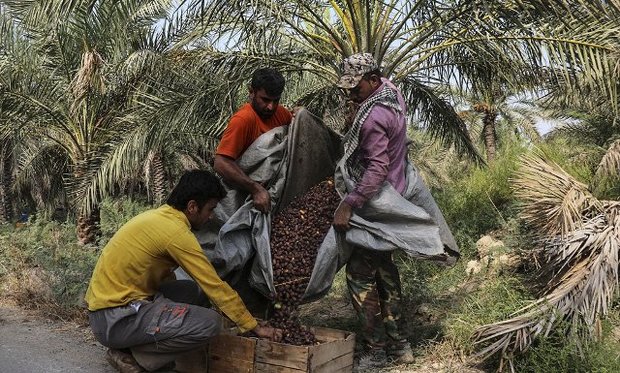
(261, 198)
(230, 171)
(296, 110)
(268, 332)
(342, 216)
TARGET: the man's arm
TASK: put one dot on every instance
(342, 216)
(186, 252)
(233, 174)
(373, 143)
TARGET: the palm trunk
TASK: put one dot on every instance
(490, 137)
(159, 179)
(6, 181)
(88, 229)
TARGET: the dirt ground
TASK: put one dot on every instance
(337, 312)
(30, 343)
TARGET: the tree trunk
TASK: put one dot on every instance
(488, 128)
(6, 183)
(88, 229)
(490, 137)
(157, 176)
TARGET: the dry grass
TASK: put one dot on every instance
(31, 290)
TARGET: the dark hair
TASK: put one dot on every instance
(268, 79)
(198, 185)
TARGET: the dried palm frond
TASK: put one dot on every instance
(189, 162)
(586, 278)
(553, 202)
(87, 78)
(610, 164)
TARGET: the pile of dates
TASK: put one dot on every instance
(296, 235)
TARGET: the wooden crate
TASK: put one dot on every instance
(234, 354)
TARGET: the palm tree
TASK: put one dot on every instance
(510, 115)
(577, 40)
(307, 40)
(80, 57)
(420, 44)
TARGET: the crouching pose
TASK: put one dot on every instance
(136, 308)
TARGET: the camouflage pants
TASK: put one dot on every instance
(374, 284)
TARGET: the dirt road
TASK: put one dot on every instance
(29, 344)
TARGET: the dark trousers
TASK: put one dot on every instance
(158, 331)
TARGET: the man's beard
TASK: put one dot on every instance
(263, 114)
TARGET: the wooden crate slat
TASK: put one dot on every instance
(347, 369)
(328, 335)
(231, 354)
(339, 364)
(269, 368)
(328, 351)
(225, 365)
(228, 345)
(289, 356)
(235, 354)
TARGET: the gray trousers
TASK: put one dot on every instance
(160, 330)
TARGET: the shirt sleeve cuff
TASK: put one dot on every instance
(355, 200)
(247, 325)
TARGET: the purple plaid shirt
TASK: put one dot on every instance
(382, 151)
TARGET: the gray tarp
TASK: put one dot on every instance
(411, 222)
(288, 161)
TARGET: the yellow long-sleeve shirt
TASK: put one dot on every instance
(144, 252)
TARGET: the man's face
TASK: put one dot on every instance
(263, 104)
(364, 88)
(198, 217)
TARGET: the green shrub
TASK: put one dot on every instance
(560, 353)
(43, 267)
(43, 264)
(579, 160)
(494, 299)
(115, 213)
(481, 201)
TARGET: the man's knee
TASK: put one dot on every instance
(205, 323)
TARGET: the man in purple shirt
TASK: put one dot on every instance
(375, 151)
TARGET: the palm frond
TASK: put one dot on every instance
(553, 202)
(438, 117)
(610, 163)
(585, 269)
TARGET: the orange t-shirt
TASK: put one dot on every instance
(245, 126)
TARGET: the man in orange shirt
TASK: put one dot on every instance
(262, 114)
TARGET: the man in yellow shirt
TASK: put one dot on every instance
(146, 321)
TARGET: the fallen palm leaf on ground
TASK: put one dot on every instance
(553, 202)
(580, 256)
